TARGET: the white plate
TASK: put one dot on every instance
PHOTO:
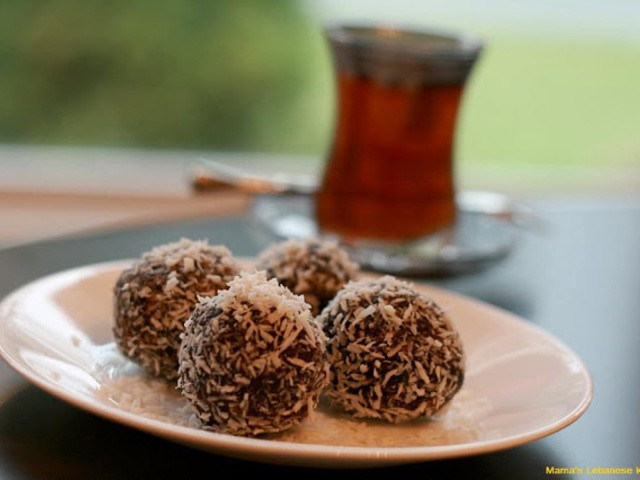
(522, 384)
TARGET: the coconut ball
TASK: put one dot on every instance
(252, 360)
(394, 352)
(314, 268)
(154, 298)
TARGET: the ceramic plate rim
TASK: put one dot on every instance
(299, 453)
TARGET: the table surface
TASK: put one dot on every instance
(579, 279)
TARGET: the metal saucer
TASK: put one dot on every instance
(486, 231)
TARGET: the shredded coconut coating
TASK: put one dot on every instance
(394, 353)
(154, 298)
(314, 268)
(252, 360)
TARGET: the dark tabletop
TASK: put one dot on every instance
(579, 279)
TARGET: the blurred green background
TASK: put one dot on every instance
(157, 74)
(254, 75)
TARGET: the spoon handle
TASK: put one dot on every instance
(210, 175)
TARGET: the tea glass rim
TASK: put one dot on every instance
(404, 40)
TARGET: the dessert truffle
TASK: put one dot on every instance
(156, 295)
(252, 360)
(314, 268)
(394, 352)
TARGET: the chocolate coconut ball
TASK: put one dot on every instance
(252, 361)
(394, 353)
(154, 298)
(314, 268)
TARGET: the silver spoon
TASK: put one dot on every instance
(209, 175)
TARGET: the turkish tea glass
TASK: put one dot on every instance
(389, 175)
